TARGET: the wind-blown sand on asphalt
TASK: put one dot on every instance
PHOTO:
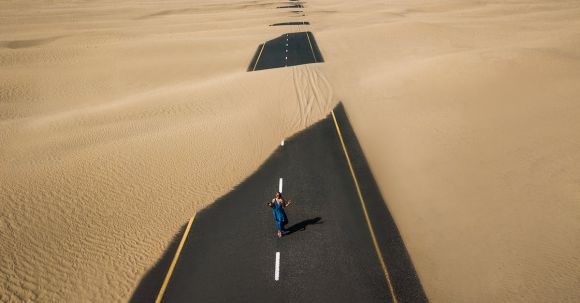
(120, 119)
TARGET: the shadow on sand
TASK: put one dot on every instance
(151, 283)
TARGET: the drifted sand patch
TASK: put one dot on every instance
(119, 120)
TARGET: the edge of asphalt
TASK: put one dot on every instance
(400, 274)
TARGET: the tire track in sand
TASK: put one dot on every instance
(313, 94)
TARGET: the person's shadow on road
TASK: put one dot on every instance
(302, 225)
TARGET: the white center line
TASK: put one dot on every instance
(277, 269)
(280, 185)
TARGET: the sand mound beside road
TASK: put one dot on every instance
(468, 113)
(118, 120)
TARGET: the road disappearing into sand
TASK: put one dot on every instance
(342, 244)
(231, 253)
(287, 50)
(291, 49)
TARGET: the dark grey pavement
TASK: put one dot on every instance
(292, 6)
(286, 50)
(291, 23)
(229, 254)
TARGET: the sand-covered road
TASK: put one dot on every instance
(118, 120)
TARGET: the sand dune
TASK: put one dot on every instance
(468, 113)
(118, 120)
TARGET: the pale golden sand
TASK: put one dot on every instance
(120, 119)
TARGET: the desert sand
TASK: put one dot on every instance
(120, 119)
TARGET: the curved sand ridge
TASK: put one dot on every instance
(119, 120)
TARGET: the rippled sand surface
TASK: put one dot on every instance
(120, 119)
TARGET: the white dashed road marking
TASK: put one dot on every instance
(277, 269)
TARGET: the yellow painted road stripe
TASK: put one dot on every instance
(362, 202)
(312, 49)
(259, 55)
(170, 271)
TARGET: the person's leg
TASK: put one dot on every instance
(279, 227)
(284, 224)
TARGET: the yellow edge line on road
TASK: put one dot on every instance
(256, 64)
(170, 271)
(312, 49)
(362, 202)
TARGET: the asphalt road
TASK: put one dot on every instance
(291, 23)
(229, 254)
(292, 6)
(287, 50)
